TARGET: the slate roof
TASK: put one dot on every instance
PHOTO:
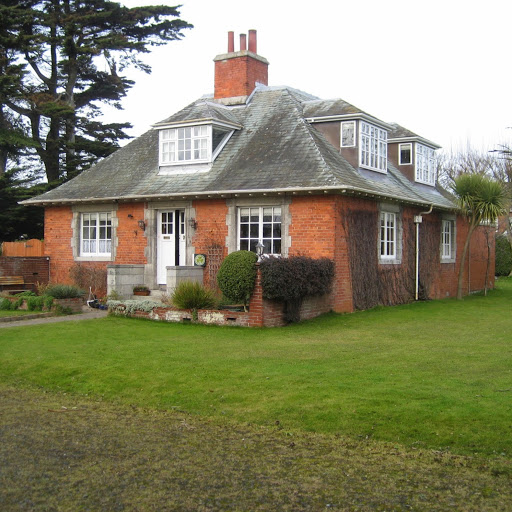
(274, 150)
(399, 132)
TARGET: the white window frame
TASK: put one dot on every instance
(249, 226)
(388, 235)
(100, 245)
(400, 146)
(425, 169)
(373, 147)
(342, 127)
(185, 144)
(447, 241)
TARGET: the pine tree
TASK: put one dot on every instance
(60, 60)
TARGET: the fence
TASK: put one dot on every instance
(33, 247)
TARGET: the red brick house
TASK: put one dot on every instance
(272, 165)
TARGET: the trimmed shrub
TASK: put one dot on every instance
(64, 291)
(290, 280)
(237, 275)
(193, 295)
(503, 256)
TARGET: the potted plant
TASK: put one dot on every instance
(141, 290)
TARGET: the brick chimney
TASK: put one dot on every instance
(236, 73)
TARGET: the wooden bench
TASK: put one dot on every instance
(9, 281)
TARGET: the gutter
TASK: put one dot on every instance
(343, 190)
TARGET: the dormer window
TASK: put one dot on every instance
(185, 145)
(425, 165)
(373, 147)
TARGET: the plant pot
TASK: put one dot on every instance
(144, 293)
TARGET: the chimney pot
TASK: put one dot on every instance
(231, 42)
(252, 41)
(243, 42)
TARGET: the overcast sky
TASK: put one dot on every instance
(440, 68)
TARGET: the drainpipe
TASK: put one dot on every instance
(418, 219)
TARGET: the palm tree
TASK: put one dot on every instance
(480, 199)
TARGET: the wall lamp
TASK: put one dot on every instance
(142, 225)
(192, 223)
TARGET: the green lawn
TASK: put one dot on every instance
(432, 375)
(16, 312)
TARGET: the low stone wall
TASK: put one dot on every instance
(204, 316)
(122, 278)
(75, 305)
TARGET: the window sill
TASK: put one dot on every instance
(389, 261)
(93, 258)
(374, 169)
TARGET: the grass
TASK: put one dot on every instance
(435, 375)
(68, 453)
(16, 312)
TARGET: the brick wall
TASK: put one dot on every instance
(317, 229)
(131, 241)
(33, 269)
(210, 236)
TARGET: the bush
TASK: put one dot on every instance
(503, 256)
(64, 291)
(193, 295)
(26, 293)
(5, 304)
(290, 280)
(35, 303)
(237, 275)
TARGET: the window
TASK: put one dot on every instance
(405, 154)
(348, 134)
(96, 234)
(189, 144)
(425, 165)
(388, 230)
(447, 240)
(260, 224)
(373, 151)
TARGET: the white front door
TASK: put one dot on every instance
(171, 242)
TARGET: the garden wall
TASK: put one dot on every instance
(34, 269)
(262, 312)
